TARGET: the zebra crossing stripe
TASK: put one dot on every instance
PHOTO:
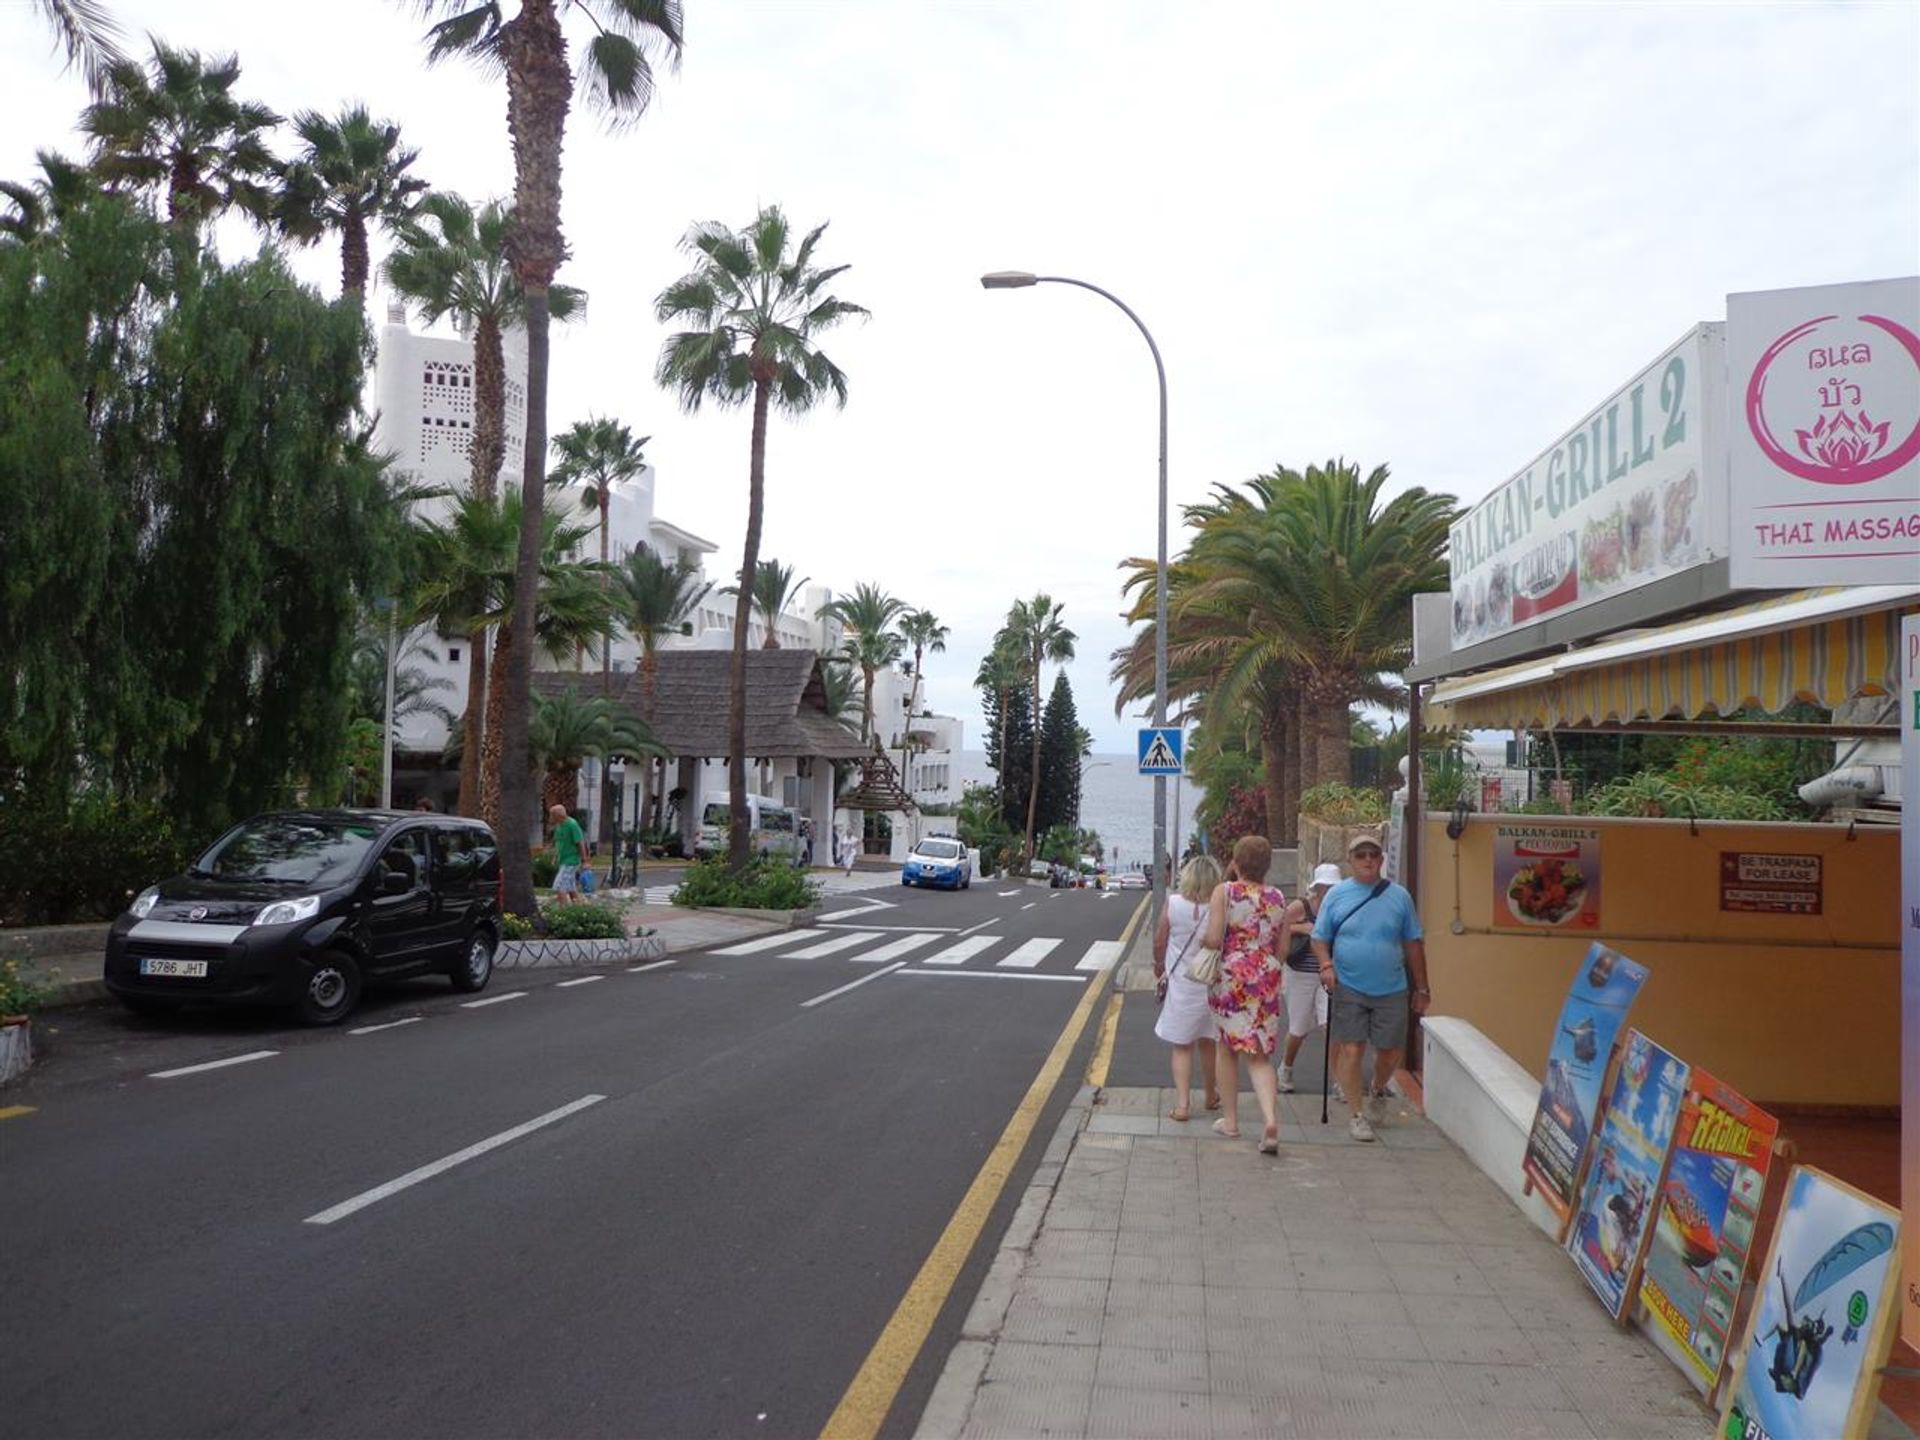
(1100, 955)
(1029, 954)
(771, 942)
(829, 947)
(960, 953)
(895, 950)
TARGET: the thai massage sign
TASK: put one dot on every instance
(1623, 498)
(1824, 435)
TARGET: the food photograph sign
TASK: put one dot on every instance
(1622, 499)
(1546, 877)
(1824, 441)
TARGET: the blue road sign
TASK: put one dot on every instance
(1163, 750)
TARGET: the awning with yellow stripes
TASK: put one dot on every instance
(1823, 647)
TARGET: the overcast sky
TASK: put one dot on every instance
(1428, 236)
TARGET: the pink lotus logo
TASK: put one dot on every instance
(1822, 383)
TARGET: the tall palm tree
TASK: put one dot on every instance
(1035, 632)
(923, 631)
(414, 683)
(351, 172)
(1001, 670)
(88, 33)
(597, 454)
(773, 590)
(39, 205)
(842, 694)
(181, 131)
(754, 307)
(872, 643)
(567, 728)
(654, 598)
(616, 77)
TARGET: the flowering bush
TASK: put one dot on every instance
(515, 927)
(18, 993)
(584, 922)
(763, 885)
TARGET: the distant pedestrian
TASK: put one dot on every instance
(425, 802)
(849, 850)
(1246, 922)
(1300, 987)
(1186, 1019)
(1374, 962)
(569, 844)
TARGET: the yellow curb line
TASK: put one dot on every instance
(864, 1407)
(11, 1111)
(1103, 1048)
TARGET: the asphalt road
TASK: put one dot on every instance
(733, 1168)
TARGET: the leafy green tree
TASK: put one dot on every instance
(774, 587)
(1035, 632)
(754, 308)
(350, 173)
(616, 77)
(1060, 757)
(654, 598)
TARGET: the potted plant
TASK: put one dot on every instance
(19, 994)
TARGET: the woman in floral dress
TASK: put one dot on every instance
(1246, 922)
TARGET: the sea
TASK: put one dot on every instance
(1116, 801)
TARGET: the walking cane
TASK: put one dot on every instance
(1326, 1063)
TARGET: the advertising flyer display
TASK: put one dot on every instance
(1824, 445)
(1708, 1208)
(1626, 497)
(1769, 884)
(1808, 1363)
(1622, 1187)
(1546, 876)
(1603, 990)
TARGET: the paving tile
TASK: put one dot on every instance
(1162, 1269)
(1479, 1344)
(1421, 1252)
(1064, 1293)
(1067, 1215)
(1379, 1379)
(1141, 1298)
(1033, 1323)
(1503, 1387)
(1384, 1340)
(1253, 1302)
(1026, 1410)
(1251, 1417)
(1317, 1274)
(1336, 1307)
(1175, 1240)
(1433, 1419)
(1442, 1279)
(1154, 1332)
(1122, 1367)
(1123, 1125)
(1265, 1267)
(1144, 1415)
(1072, 1254)
(1436, 1312)
(1019, 1361)
(1529, 1424)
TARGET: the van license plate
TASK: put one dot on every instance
(190, 969)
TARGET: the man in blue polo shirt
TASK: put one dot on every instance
(1368, 943)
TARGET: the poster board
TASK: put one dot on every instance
(1546, 876)
(1621, 1193)
(1702, 1236)
(1808, 1363)
(1603, 990)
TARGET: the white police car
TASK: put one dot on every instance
(938, 860)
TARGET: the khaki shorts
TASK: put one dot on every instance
(1306, 1000)
(1376, 1020)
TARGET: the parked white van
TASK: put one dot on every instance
(773, 827)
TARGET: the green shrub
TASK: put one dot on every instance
(1658, 793)
(83, 861)
(584, 922)
(1339, 804)
(763, 885)
(545, 867)
(18, 994)
(515, 927)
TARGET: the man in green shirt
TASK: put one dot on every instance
(569, 847)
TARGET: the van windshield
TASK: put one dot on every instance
(940, 849)
(718, 815)
(290, 850)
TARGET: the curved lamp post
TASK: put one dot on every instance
(1020, 280)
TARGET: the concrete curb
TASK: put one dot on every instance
(951, 1403)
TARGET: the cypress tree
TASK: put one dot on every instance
(1059, 759)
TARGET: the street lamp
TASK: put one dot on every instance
(1021, 280)
(390, 605)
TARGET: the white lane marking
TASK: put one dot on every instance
(893, 950)
(494, 999)
(390, 1025)
(996, 975)
(459, 1157)
(1030, 904)
(1029, 954)
(650, 965)
(212, 1065)
(1005, 893)
(865, 908)
(1100, 954)
(1109, 894)
(844, 941)
(916, 929)
(583, 980)
(961, 952)
(851, 985)
(981, 926)
(770, 942)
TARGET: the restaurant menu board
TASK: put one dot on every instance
(1707, 1212)
(1546, 877)
(1768, 884)
(1808, 1363)
(1603, 990)
(1622, 1188)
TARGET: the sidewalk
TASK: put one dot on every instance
(1180, 1284)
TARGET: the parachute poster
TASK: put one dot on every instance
(1704, 1230)
(1808, 1363)
(1617, 1205)
(1603, 990)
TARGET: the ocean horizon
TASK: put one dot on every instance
(1116, 802)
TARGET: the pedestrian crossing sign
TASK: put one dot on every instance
(1162, 750)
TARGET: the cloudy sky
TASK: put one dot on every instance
(1427, 236)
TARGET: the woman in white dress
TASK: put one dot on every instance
(1186, 1020)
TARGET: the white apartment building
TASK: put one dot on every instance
(424, 405)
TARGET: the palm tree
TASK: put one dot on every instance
(872, 644)
(1000, 671)
(566, 729)
(616, 77)
(351, 172)
(923, 631)
(842, 695)
(654, 599)
(597, 454)
(181, 131)
(755, 308)
(40, 205)
(1035, 632)
(88, 33)
(414, 685)
(773, 590)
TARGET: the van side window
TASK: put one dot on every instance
(454, 860)
(407, 855)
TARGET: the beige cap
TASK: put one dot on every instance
(1357, 841)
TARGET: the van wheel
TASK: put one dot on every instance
(332, 990)
(476, 967)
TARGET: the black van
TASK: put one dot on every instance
(300, 907)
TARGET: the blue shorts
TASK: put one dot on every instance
(566, 880)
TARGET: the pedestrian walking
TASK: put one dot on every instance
(850, 850)
(1300, 987)
(1374, 963)
(1186, 1019)
(1246, 923)
(569, 842)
